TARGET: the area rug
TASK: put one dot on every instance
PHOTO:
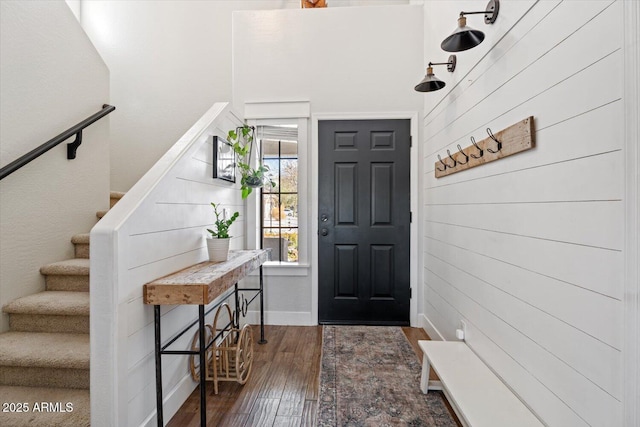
(370, 376)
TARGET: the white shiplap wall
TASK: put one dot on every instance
(528, 250)
(156, 229)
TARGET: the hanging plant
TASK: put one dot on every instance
(241, 139)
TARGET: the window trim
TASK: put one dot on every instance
(253, 233)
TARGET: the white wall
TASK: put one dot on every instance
(631, 349)
(369, 60)
(51, 78)
(157, 228)
(169, 61)
(367, 63)
(529, 249)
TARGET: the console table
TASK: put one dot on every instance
(201, 284)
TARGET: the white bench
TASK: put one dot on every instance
(477, 395)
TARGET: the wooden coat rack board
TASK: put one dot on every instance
(514, 139)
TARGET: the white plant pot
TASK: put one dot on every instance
(218, 249)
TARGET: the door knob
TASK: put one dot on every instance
(324, 232)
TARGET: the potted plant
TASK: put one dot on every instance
(218, 243)
(241, 139)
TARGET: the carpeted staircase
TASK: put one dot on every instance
(44, 358)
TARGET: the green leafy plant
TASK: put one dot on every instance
(222, 225)
(241, 139)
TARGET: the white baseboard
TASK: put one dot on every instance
(435, 385)
(172, 401)
(430, 328)
(286, 318)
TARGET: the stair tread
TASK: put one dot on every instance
(42, 349)
(37, 416)
(69, 267)
(116, 194)
(67, 303)
(101, 214)
(81, 238)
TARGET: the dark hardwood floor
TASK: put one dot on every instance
(284, 384)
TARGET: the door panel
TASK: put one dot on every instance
(381, 193)
(382, 271)
(346, 206)
(364, 229)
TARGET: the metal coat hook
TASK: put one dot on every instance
(473, 141)
(464, 154)
(455, 162)
(496, 140)
(444, 164)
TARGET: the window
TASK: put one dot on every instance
(279, 207)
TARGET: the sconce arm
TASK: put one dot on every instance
(490, 14)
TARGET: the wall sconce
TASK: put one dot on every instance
(430, 81)
(464, 37)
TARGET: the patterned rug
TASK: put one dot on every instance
(370, 376)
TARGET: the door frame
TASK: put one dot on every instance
(412, 116)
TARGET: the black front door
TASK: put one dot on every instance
(364, 221)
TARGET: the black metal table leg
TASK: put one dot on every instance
(262, 340)
(203, 367)
(158, 348)
(236, 317)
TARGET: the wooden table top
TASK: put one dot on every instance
(204, 282)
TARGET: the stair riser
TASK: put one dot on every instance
(81, 250)
(44, 377)
(49, 323)
(67, 283)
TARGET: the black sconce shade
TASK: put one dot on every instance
(430, 82)
(462, 38)
(465, 37)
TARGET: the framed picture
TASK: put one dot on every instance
(224, 160)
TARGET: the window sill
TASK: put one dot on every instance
(277, 268)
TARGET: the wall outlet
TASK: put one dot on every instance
(461, 332)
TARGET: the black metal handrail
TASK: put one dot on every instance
(71, 147)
